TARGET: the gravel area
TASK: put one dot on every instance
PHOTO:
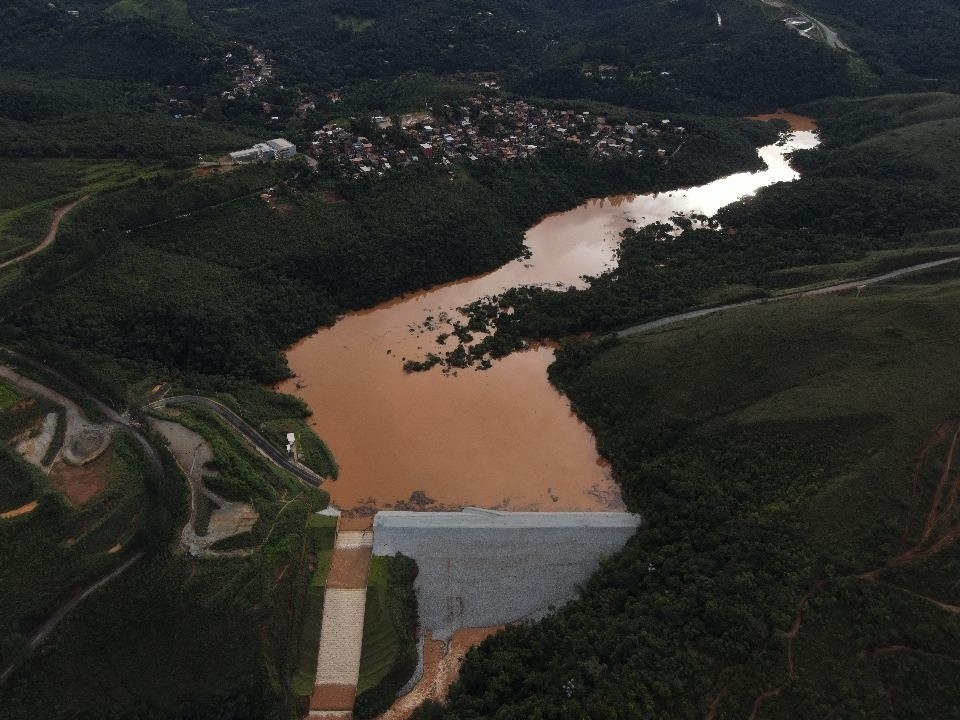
(480, 568)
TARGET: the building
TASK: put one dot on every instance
(283, 148)
(276, 149)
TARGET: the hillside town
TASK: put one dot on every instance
(487, 127)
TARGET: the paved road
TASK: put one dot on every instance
(839, 287)
(830, 36)
(261, 443)
(51, 234)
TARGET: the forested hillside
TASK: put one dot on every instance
(793, 464)
(912, 45)
(155, 79)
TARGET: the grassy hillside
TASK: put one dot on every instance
(910, 44)
(177, 636)
(793, 463)
(33, 189)
(389, 634)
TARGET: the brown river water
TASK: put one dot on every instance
(501, 438)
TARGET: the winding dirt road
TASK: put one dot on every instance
(50, 236)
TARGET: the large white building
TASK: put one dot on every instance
(283, 148)
(275, 149)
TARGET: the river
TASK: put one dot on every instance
(502, 438)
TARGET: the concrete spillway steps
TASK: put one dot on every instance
(341, 636)
(353, 539)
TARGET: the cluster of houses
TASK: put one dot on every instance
(268, 151)
(487, 127)
(250, 76)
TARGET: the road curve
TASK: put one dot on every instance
(121, 422)
(266, 448)
(50, 236)
(839, 287)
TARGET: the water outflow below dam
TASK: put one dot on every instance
(502, 438)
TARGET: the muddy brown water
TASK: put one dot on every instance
(502, 438)
(797, 122)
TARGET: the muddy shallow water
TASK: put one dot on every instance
(502, 438)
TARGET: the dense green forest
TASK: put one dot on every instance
(153, 79)
(913, 45)
(787, 459)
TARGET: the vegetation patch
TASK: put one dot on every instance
(171, 12)
(56, 548)
(9, 396)
(353, 24)
(321, 533)
(389, 634)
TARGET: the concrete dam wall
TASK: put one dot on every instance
(480, 568)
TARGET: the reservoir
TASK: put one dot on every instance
(503, 438)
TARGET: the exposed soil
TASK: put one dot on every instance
(80, 484)
(34, 443)
(22, 510)
(797, 122)
(51, 235)
(334, 697)
(349, 568)
(192, 453)
(724, 688)
(792, 635)
(208, 170)
(442, 663)
(941, 524)
(84, 440)
(940, 529)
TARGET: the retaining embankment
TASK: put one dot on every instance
(481, 568)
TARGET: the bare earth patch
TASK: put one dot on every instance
(33, 444)
(442, 661)
(81, 484)
(229, 518)
(17, 512)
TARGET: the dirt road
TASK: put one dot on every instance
(50, 236)
(84, 440)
